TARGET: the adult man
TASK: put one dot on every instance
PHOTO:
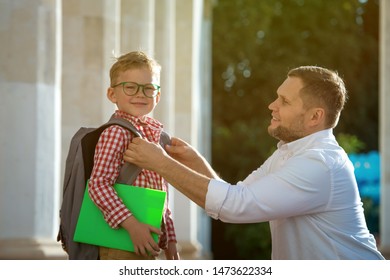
(306, 190)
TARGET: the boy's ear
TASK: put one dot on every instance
(158, 96)
(111, 95)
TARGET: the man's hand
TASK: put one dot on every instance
(190, 157)
(182, 151)
(145, 154)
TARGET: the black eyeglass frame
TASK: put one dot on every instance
(155, 92)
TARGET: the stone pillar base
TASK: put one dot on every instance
(188, 251)
(31, 249)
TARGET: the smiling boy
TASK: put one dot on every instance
(135, 90)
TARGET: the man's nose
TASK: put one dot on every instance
(272, 105)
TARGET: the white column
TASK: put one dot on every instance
(191, 119)
(166, 29)
(111, 48)
(165, 54)
(203, 60)
(137, 26)
(90, 42)
(30, 120)
(385, 126)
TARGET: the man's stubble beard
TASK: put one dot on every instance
(285, 134)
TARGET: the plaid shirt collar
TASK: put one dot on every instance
(149, 127)
(140, 122)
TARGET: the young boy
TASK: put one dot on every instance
(135, 90)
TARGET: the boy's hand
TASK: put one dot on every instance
(148, 155)
(140, 234)
(171, 252)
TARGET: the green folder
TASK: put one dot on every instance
(146, 205)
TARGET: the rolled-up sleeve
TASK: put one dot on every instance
(215, 197)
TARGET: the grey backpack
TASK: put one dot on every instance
(78, 169)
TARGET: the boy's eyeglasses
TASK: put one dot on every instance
(131, 88)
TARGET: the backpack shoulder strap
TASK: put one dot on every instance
(129, 171)
(125, 124)
(165, 139)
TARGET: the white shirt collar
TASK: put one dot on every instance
(303, 143)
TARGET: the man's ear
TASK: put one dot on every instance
(111, 95)
(317, 116)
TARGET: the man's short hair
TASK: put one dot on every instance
(322, 88)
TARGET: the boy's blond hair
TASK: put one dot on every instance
(131, 60)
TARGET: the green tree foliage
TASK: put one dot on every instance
(256, 42)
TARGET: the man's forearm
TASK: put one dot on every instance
(189, 182)
(203, 167)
